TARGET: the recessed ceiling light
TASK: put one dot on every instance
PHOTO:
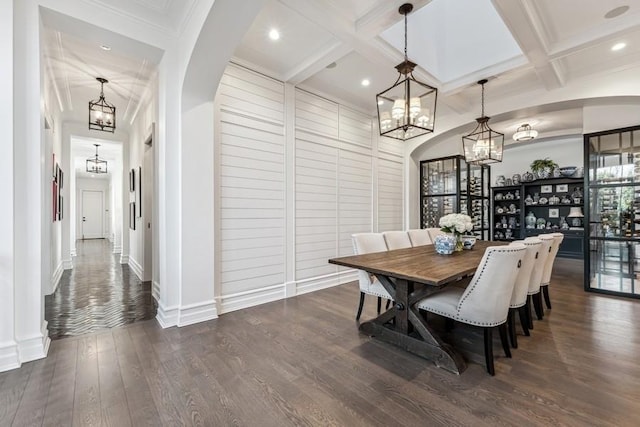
(332, 65)
(615, 12)
(105, 47)
(380, 102)
(618, 46)
(365, 82)
(274, 34)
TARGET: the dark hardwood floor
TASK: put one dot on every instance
(98, 293)
(301, 361)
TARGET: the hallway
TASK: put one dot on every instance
(99, 293)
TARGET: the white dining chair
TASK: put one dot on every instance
(419, 237)
(434, 232)
(396, 240)
(533, 294)
(364, 243)
(519, 295)
(485, 301)
(548, 267)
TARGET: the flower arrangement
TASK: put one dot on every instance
(456, 223)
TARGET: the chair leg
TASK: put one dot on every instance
(388, 304)
(488, 350)
(524, 320)
(545, 292)
(529, 314)
(537, 305)
(511, 326)
(505, 341)
(379, 304)
(360, 306)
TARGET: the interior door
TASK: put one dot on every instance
(92, 211)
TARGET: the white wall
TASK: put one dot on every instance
(298, 174)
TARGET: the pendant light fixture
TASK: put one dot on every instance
(407, 109)
(525, 133)
(96, 165)
(102, 115)
(484, 145)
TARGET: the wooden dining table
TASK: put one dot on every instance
(409, 275)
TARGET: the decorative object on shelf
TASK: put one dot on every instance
(499, 196)
(513, 222)
(455, 225)
(576, 215)
(576, 196)
(96, 164)
(483, 145)
(568, 171)
(102, 114)
(536, 198)
(500, 181)
(530, 220)
(562, 188)
(554, 200)
(563, 224)
(546, 188)
(556, 172)
(407, 109)
(541, 223)
(517, 194)
(527, 177)
(516, 179)
(543, 168)
(565, 200)
(554, 213)
(525, 133)
(528, 200)
(509, 196)
(543, 201)
(579, 173)
(508, 182)
(508, 234)
(512, 208)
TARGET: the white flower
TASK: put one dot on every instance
(456, 223)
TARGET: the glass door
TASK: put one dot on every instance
(613, 212)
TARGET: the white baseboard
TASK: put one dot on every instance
(323, 282)
(196, 313)
(35, 347)
(251, 298)
(124, 259)
(167, 316)
(155, 290)
(55, 278)
(135, 267)
(117, 249)
(9, 356)
(67, 264)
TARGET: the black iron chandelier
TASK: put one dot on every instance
(483, 145)
(408, 108)
(96, 164)
(102, 114)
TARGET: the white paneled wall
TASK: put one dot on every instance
(334, 185)
(390, 194)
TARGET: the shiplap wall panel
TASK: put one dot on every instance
(390, 195)
(355, 198)
(354, 127)
(316, 208)
(252, 181)
(316, 114)
(389, 145)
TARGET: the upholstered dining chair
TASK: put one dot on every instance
(396, 240)
(485, 301)
(419, 237)
(519, 295)
(548, 266)
(434, 232)
(364, 243)
(533, 294)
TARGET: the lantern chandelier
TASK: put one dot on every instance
(102, 115)
(483, 145)
(407, 109)
(96, 165)
(525, 133)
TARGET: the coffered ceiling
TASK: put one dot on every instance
(329, 46)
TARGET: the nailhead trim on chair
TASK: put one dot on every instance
(473, 287)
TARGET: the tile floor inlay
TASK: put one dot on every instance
(98, 293)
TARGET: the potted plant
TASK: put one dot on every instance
(542, 168)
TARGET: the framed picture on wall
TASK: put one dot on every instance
(60, 179)
(554, 213)
(132, 180)
(54, 200)
(546, 188)
(60, 206)
(53, 166)
(139, 192)
(132, 215)
(562, 188)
